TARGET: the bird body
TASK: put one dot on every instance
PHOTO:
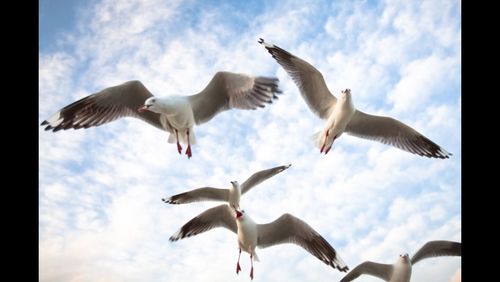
(231, 195)
(286, 229)
(402, 269)
(337, 122)
(176, 117)
(247, 235)
(234, 194)
(341, 115)
(175, 114)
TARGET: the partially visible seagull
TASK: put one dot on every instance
(175, 114)
(286, 229)
(401, 270)
(341, 115)
(231, 195)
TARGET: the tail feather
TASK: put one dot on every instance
(255, 257)
(316, 138)
(171, 138)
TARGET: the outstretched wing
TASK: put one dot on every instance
(308, 79)
(229, 90)
(290, 229)
(200, 194)
(104, 106)
(260, 176)
(220, 216)
(395, 133)
(382, 271)
(436, 249)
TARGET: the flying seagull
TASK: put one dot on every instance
(231, 195)
(175, 114)
(286, 229)
(341, 115)
(401, 270)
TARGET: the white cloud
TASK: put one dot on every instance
(420, 79)
(53, 76)
(101, 214)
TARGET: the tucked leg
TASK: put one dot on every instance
(328, 150)
(179, 148)
(251, 269)
(324, 143)
(238, 268)
(188, 150)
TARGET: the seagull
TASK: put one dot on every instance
(175, 114)
(341, 115)
(231, 195)
(401, 270)
(286, 229)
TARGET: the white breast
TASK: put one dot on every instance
(179, 112)
(401, 273)
(247, 234)
(234, 196)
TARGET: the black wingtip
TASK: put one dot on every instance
(261, 41)
(344, 269)
(169, 201)
(47, 124)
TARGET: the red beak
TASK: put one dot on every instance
(238, 214)
(142, 109)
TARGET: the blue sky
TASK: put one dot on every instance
(100, 189)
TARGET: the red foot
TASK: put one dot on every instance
(251, 273)
(323, 147)
(328, 150)
(179, 148)
(188, 152)
(238, 268)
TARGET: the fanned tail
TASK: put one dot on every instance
(255, 257)
(316, 138)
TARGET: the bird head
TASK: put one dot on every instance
(346, 92)
(239, 214)
(404, 257)
(234, 183)
(149, 105)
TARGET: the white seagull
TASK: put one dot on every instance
(175, 114)
(401, 270)
(341, 115)
(286, 229)
(231, 195)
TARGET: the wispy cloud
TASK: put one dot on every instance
(101, 214)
